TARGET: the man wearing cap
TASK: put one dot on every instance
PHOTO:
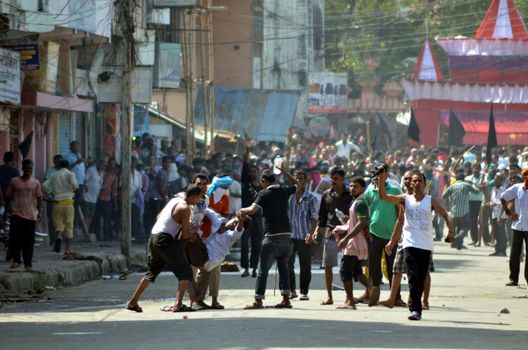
(519, 194)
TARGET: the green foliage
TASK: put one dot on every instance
(391, 32)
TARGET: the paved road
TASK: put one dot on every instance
(467, 296)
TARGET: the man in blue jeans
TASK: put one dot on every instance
(272, 201)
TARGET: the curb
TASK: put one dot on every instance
(74, 272)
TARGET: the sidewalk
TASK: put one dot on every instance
(51, 271)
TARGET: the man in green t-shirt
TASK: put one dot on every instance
(382, 221)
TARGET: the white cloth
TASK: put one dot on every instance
(93, 182)
(520, 195)
(173, 172)
(235, 202)
(418, 224)
(219, 193)
(165, 223)
(218, 246)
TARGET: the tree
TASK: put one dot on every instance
(391, 32)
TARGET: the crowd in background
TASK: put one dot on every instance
(159, 171)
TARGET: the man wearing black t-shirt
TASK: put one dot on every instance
(251, 186)
(272, 201)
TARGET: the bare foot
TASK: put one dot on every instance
(387, 303)
(425, 305)
(327, 302)
(347, 307)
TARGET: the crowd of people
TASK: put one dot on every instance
(308, 198)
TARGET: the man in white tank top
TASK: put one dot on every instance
(165, 249)
(417, 235)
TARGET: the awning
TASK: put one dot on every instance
(264, 115)
(166, 118)
(511, 128)
(42, 100)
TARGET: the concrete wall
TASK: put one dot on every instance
(232, 36)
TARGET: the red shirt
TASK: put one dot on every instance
(24, 194)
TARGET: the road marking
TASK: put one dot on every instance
(79, 333)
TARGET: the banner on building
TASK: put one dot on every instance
(9, 77)
(327, 92)
(28, 49)
(168, 66)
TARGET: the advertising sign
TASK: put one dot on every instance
(9, 77)
(327, 92)
(168, 68)
(28, 49)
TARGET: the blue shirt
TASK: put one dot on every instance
(302, 212)
(79, 170)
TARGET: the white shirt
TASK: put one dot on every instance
(218, 246)
(136, 183)
(520, 195)
(344, 149)
(93, 182)
(62, 185)
(495, 199)
(418, 224)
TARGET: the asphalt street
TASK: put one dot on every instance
(470, 309)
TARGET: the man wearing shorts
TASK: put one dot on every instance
(62, 187)
(165, 248)
(351, 238)
(338, 197)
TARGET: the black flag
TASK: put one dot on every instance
(413, 132)
(25, 145)
(456, 131)
(492, 137)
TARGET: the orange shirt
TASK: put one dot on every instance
(222, 207)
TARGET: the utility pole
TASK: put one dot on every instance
(210, 47)
(126, 20)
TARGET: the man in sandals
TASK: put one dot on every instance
(273, 202)
(417, 234)
(351, 238)
(165, 250)
(336, 198)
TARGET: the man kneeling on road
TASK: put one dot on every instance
(165, 250)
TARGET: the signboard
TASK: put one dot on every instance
(168, 67)
(141, 120)
(319, 126)
(327, 92)
(9, 77)
(28, 49)
(175, 3)
(111, 90)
